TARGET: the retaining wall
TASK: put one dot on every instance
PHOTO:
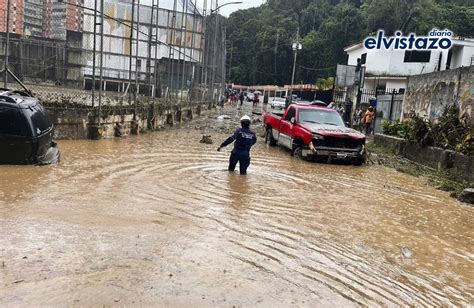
(80, 122)
(455, 163)
(427, 94)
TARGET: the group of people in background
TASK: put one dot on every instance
(362, 120)
(237, 98)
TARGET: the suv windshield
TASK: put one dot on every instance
(40, 120)
(320, 116)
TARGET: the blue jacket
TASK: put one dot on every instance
(244, 139)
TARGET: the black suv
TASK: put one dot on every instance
(26, 130)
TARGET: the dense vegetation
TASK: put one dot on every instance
(259, 39)
(447, 132)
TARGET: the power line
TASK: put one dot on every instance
(317, 69)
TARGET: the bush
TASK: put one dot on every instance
(397, 129)
(447, 132)
(450, 133)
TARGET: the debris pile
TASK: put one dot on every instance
(206, 139)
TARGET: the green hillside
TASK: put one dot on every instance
(259, 39)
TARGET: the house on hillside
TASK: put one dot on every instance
(388, 70)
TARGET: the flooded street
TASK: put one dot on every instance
(157, 219)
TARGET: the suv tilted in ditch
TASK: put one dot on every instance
(26, 130)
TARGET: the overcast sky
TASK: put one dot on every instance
(226, 10)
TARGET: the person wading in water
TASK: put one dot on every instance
(244, 139)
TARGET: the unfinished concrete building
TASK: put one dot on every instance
(145, 48)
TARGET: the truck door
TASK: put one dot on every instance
(286, 127)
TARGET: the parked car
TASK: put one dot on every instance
(250, 97)
(314, 132)
(278, 103)
(26, 131)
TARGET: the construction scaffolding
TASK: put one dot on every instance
(124, 52)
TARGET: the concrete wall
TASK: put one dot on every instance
(427, 95)
(80, 122)
(457, 164)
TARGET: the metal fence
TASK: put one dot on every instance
(389, 102)
(173, 55)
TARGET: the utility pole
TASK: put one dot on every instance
(131, 56)
(276, 52)
(101, 57)
(7, 47)
(184, 20)
(204, 58)
(296, 46)
(230, 59)
(137, 77)
(94, 51)
(148, 61)
(214, 47)
(155, 81)
(193, 61)
(171, 43)
(359, 68)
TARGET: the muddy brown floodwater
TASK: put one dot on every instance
(157, 220)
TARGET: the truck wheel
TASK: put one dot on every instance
(359, 161)
(269, 137)
(297, 152)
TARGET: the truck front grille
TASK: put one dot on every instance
(334, 142)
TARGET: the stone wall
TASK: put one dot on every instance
(427, 95)
(457, 164)
(80, 122)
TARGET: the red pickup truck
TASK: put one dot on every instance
(315, 132)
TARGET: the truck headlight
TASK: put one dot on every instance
(318, 137)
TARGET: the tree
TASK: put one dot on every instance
(262, 37)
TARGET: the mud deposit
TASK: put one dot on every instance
(157, 220)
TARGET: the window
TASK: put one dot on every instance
(416, 56)
(40, 120)
(11, 123)
(290, 114)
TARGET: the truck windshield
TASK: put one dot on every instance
(320, 116)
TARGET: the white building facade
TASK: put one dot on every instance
(388, 69)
